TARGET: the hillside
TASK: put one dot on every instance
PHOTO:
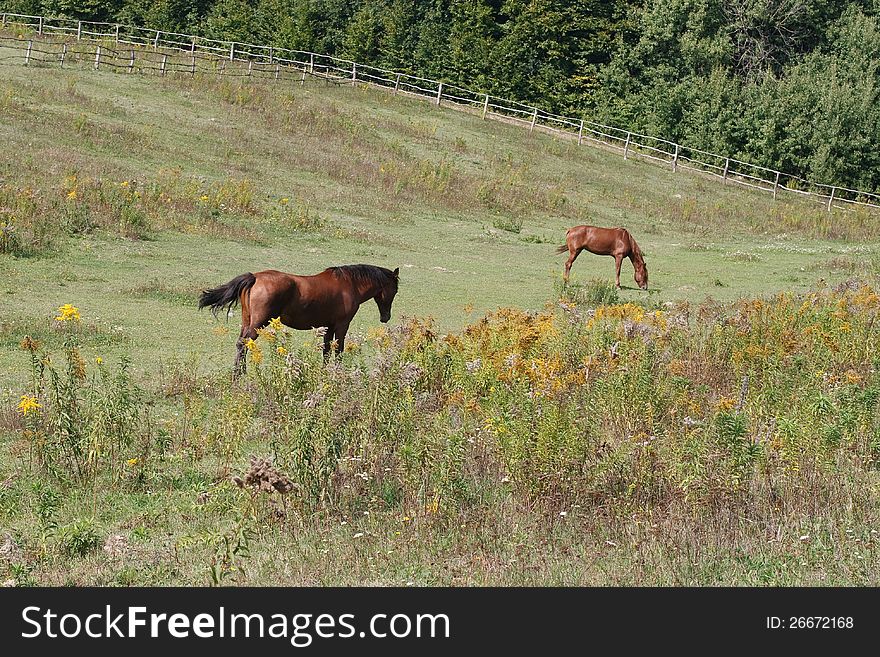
(129, 194)
(786, 84)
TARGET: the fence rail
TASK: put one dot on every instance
(145, 50)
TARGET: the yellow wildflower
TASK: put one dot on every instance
(853, 377)
(256, 351)
(285, 201)
(281, 351)
(266, 333)
(99, 360)
(71, 194)
(725, 403)
(275, 324)
(132, 461)
(68, 313)
(27, 404)
(124, 183)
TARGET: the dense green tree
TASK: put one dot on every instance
(400, 35)
(363, 34)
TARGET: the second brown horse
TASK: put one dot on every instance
(615, 242)
(329, 299)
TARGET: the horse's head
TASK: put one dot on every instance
(641, 274)
(385, 297)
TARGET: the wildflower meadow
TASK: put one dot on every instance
(743, 428)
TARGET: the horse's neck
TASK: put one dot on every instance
(367, 290)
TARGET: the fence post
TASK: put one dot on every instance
(192, 70)
(131, 61)
(232, 51)
(831, 198)
(439, 93)
(312, 63)
(4, 19)
(626, 145)
(302, 80)
(164, 61)
(117, 33)
(250, 66)
(156, 41)
(40, 28)
(192, 47)
(354, 73)
(581, 133)
(277, 70)
(397, 83)
(27, 55)
(675, 159)
(485, 106)
(271, 54)
(63, 53)
(775, 185)
(97, 57)
(534, 118)
(79, 30)
(726, 169)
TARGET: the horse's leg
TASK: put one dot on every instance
(341, 331)
(240, 365)
(328, 342)
(255, 320)
(573, 254)
(618, 260)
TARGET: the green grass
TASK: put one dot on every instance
(471, 211)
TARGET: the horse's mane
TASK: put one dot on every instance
(364, 273)
(636, 249)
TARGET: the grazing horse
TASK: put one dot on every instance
(615, 242)
(329, 299)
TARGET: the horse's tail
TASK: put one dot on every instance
(226, 296)
(564, 247)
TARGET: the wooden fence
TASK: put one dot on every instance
(138, 49)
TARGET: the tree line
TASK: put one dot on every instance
(788, 84)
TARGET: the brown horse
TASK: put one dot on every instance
(615, 242)
(329, 299)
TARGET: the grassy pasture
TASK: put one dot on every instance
(128, 194)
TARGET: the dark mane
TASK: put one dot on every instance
(364, 273)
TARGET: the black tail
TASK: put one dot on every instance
(562, 249)
(226, 296)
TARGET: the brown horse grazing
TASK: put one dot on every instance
(615, 242)
(329, 299)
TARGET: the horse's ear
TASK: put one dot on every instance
(397, 272)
